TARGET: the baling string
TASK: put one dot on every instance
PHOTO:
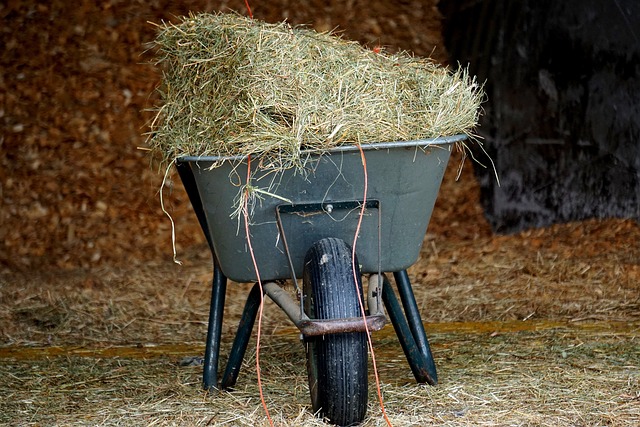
(353, 266)
(355, 281)
(245, 211)
(246, 3)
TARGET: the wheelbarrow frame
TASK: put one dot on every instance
(404, 315)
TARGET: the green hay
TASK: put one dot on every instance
(237, 86)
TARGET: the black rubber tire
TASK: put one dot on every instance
(336, 363)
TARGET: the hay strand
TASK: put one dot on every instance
(236, 86)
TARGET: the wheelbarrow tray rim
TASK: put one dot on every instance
(442, 140)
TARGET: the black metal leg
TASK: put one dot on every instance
(413, 315)
(214, 331)
(242, 338)
(418, 355)
(216, 309)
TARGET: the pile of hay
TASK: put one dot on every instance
(236, 86)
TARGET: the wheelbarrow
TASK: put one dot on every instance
(304, 227)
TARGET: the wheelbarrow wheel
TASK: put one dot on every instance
(336, 363)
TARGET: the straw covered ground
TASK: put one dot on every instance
(99, 327)
(535, 329)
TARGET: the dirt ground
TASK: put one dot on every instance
(538, 328)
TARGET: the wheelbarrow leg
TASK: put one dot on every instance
(409, 328)
(241, 340)
(413, 316)
(214, 330)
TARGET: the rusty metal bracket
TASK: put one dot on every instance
(295, 310)
(313, 327)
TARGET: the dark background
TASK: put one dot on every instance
(562, 121)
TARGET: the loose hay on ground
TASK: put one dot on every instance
(563, 376)
(238, 86)
(558, 376)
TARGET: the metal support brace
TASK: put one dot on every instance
(315, 327)
(242, 337)
(412, 313)
(218, 287)
(419, 358)
(214, 330)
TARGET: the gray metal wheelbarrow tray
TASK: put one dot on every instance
(299, 212)
(297, 209)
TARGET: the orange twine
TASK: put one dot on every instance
(246, 2)
(245, 212)
(355, 281)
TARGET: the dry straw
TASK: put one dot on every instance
(237, 86)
